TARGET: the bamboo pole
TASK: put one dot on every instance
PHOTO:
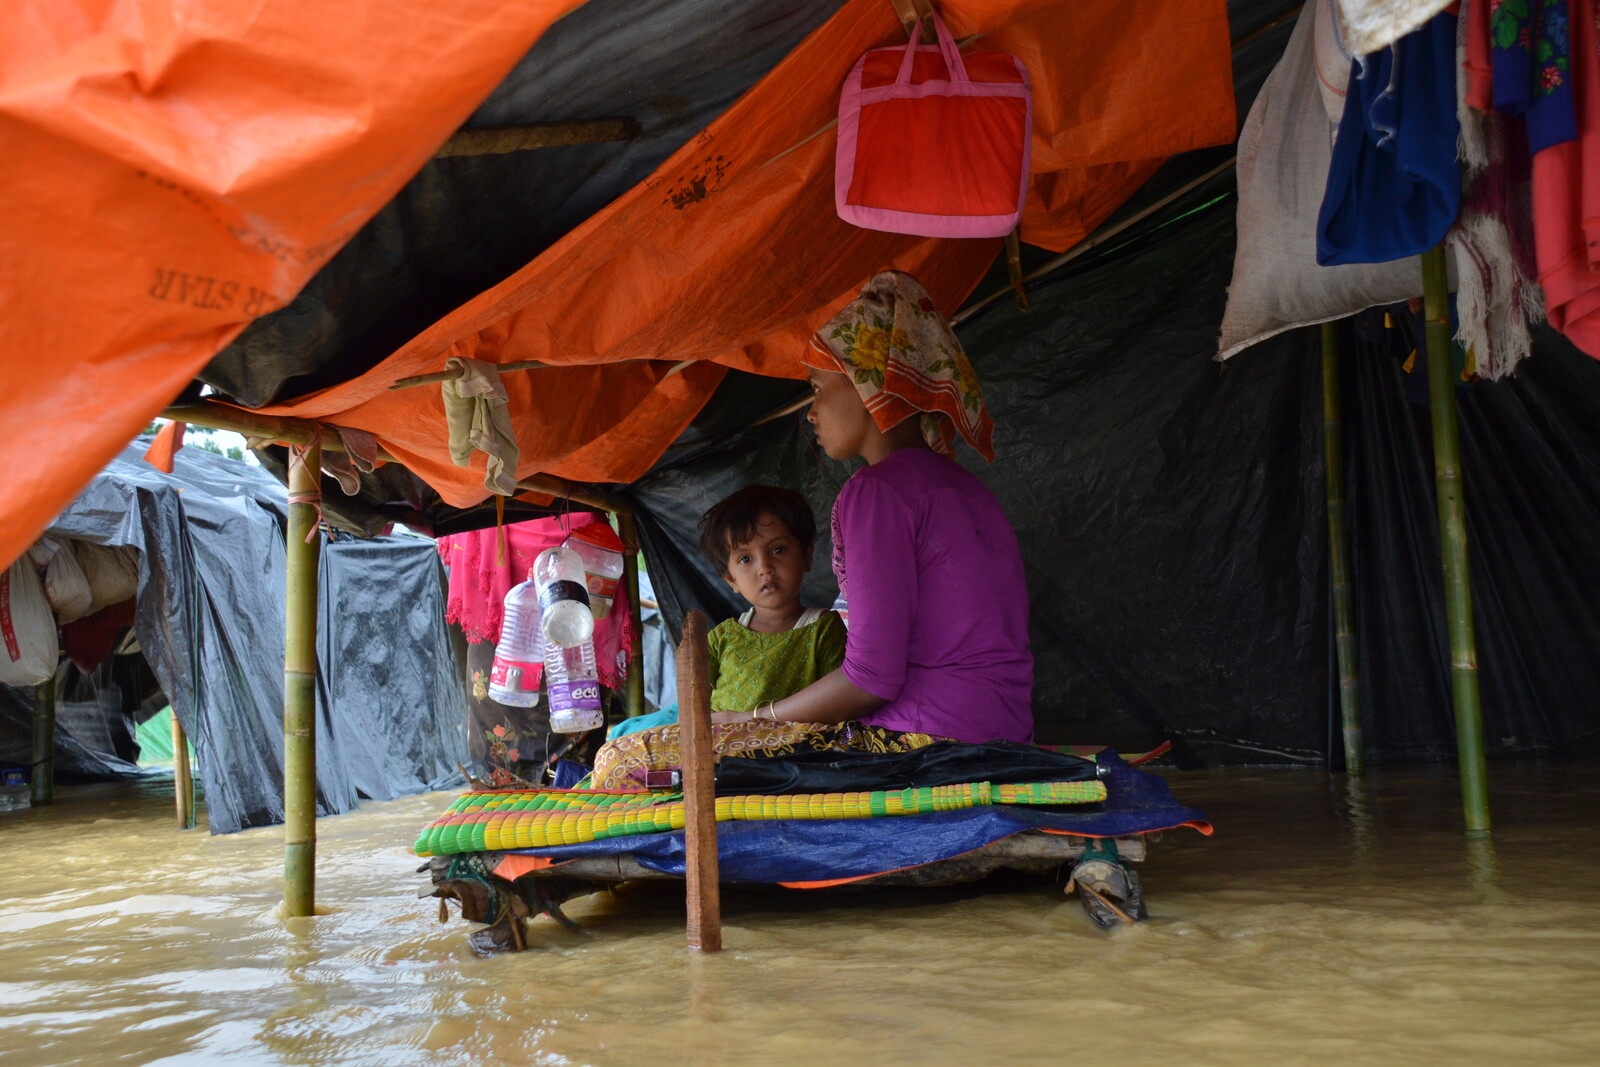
(1453, 545)
(182, 781)
(699, 788)
(42, 779)
(633, 695)
(292, 431)
(498, 140)
(300, 686)
(1339, 557)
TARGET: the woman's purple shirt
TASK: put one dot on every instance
(929, 566)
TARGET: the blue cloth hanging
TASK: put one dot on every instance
(1393, 185)
(1531, 51)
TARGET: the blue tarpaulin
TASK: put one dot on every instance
(814, 850)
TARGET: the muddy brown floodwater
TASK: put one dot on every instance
(1326, 921)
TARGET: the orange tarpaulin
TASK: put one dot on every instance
(148, 256)
(174, 170)
(731, 252)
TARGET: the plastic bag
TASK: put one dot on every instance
(65, 587)
(111, 571)
(29, 645)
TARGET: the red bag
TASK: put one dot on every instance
(933, 144)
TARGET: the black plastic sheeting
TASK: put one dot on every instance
(1172, 519)
(210, 623)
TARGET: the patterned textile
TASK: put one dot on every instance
(621, 763)
(498, 821)
(1530, 54)
(747, 667)
(904, 358)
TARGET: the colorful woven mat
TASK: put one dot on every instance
(501, 820)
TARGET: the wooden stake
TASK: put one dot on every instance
(633, 695)
(42, 777)
(1453, 544)
(182, 782)
(1339, 557)
(300, 686)
(699, 787)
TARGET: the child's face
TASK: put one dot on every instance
(767, 569)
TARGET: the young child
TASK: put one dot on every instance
(761, 539)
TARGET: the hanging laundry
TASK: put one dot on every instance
(1530, 57)
(1491, 245)
(1566, 201)
(1393, 187)
(360, 456)
(475, 410)
(1369, 25)
(1284, 151)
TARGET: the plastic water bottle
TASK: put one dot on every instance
(601, 551)
(563, 597)
(574, 688)
(514, 678)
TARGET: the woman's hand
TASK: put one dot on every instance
(720, 717)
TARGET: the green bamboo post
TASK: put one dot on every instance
(182, 782)
(300, 686)
(1453, 545)
(1355, 763)
(633, 695)
(42, 782)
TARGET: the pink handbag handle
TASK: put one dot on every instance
(947, 47)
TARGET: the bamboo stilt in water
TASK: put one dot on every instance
(633, 695)
(1453, 545)
(182, 782)
(699, 788)
(300, 685)
(42, 779)
(1339, 557)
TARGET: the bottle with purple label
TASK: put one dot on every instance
(574, 688)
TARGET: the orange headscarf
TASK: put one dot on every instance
(904, 358)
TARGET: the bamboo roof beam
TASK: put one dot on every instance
(499, 140)
(294, 431)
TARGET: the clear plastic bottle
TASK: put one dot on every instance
(563, 596)
(574, 688)
(514, 678)
(601, 551)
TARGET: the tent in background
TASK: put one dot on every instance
(209, 624)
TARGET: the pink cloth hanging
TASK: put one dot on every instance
(478, 586)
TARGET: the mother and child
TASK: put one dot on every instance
(937, 645)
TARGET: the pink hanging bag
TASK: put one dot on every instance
(933, 143)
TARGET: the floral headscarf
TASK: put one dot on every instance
(904, 358)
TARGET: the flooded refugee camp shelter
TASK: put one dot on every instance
(286, 221)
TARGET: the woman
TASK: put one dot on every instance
(938, 639)
(925, 557)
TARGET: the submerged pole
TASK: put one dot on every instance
(1344, 628)
(182, 782)
(633, 695)
(1453, 545)
(300, 684)
(42, 780)
(699, 788)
